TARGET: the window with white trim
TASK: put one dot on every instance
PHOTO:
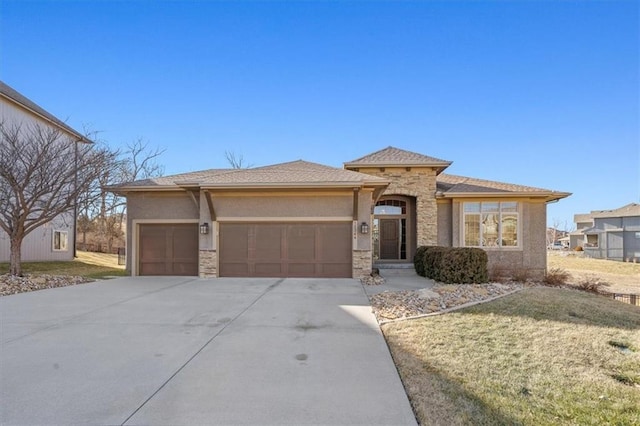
(60, 240)
(490, 224)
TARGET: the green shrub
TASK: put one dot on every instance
(418, 260)
(452, 265)
(433, 258)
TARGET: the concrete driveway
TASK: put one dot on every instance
(183, 351)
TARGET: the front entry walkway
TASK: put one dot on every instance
(176, 350)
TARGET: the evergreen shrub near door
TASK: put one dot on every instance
(452, 265)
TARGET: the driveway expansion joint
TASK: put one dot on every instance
(192, 357)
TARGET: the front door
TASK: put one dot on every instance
(391, 229)
(389, 239)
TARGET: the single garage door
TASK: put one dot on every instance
(285, 250)
(168, 249)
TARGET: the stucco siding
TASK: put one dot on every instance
(283, 206)
(445, 235)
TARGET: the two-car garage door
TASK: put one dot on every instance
(285, 249)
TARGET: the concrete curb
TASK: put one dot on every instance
(454, 308)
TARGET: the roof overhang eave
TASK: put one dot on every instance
(296, 185)
(126, 189)
(547, 196)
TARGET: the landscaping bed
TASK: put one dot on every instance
(42, 275)
(11, 284)
(404, 304)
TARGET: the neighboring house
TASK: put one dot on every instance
(609, 234)
(302, 219)
(555, 235)
(54, 240)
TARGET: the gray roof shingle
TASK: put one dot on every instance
(295, 173)
(452, 185)
(631, 209)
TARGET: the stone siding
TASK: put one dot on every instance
(418, 182)
(208, 264)
(362, 263)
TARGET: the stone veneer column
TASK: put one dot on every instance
(418, 182)
(362, 262)
(208, 264)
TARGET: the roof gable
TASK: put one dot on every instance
(391, 156)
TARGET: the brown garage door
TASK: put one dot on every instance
(168, 249)
(285, 250)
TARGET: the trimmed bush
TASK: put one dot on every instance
(452, 265)
(418, 260)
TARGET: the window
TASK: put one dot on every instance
(390, 207)
(60, 240)
(490, 224)
(592, 241)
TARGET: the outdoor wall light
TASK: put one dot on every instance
(204, 228)
(364, 228)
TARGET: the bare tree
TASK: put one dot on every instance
(106, 210)
(42, 174)
(139, 161)
(236, 161)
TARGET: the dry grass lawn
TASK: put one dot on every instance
(90, 265)
(624, 277)
(541, 356)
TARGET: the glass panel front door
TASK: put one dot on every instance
(390, 230)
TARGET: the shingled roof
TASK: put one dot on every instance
(451, 186)
(13, 95)
(631, 209)
(292, 174)
(391, 156)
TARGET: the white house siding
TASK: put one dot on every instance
(38, 245)
(13, 114)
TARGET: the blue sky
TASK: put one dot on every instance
(538, 93)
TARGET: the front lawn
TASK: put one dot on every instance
(540, 356)
(88, 265)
